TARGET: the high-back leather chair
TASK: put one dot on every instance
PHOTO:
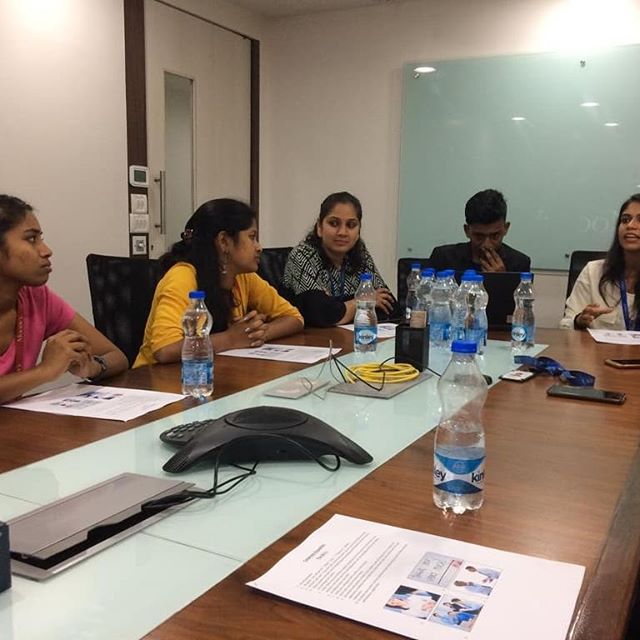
(121, 294)
(272, 264)
(578, 262)
(404, 268)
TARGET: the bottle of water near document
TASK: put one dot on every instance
(482, 321)
(523, 326)
(459, 453)
(197, 350)
(440, 313)
(413, 282)
(365, 322)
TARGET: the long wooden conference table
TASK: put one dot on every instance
(563, 483)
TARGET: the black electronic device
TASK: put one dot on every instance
(623, 364)
(412, 346)
(5, 558)
(587, 393)
(258, 433)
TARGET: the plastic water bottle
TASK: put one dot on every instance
(365, 323)
(440, 316)
(459, 455)
(452, 285)
(197, 350)
(420, 312)
(413, 282)
(460, 307)
(482, 321)
(523, 326)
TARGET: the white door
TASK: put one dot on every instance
(198, 117)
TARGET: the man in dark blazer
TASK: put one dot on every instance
(486, 226)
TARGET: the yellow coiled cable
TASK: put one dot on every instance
(381, 373)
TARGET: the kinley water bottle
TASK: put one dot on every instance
(197, 350)
(413, 282)
(365, 322)
(523, 326)
(459, 454)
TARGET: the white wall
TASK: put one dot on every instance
(332, 103)
(62, 126)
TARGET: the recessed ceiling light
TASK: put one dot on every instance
(611, 124)
(424, 69)
(518, 118)
(590, 104)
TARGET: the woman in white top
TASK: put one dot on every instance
(606, 294)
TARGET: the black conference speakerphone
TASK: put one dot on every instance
(258, 433)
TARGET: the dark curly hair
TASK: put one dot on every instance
(355, 258)
(614, 264)
(485, 207)
(197, 247)
(12, 212)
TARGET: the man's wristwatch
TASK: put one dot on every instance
(103, 369)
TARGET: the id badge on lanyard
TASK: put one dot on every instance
(17, 365)
(625, 308)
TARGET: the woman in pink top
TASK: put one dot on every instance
(31, 314)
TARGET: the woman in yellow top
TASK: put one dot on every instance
(218, 254)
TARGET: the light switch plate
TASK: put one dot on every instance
(138, 223)
(138, 203)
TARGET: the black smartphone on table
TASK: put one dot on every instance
(586, 393)
(623, 364)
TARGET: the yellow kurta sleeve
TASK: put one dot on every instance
(251, 293)
(164, 325)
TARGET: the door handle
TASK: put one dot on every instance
(162, 180)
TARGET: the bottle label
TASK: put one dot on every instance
(458, 475)
(365, 335)
(522, 333)
(197, 373)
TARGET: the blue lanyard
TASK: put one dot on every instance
(554, 368)
(340, 294)
(625, 308)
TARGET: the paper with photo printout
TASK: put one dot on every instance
(385, 329)
(615, 337)
(90, 401)
(424, 586)
(283, 352)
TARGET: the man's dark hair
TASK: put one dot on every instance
(485, 207)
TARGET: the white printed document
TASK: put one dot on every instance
(615, 337)
(424, 586)
(385, 329)
(283, 352)
(90, 401)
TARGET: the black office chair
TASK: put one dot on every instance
(578, 262)
(121, 294)
(404, 268)
(272, 264)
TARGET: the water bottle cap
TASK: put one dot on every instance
(365, 276)
(477, 277)
(527, 276)
(441, 274)
(428, 272)
(196, 295)
(449, 272)
(415, 265)
(468, 272)
(461, 346)
(468, 277)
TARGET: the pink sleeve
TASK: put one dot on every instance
(59, 314)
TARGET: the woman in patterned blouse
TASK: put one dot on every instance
(323, 272)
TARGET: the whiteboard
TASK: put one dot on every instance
(563, 172)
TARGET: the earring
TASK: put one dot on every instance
(223, 264)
